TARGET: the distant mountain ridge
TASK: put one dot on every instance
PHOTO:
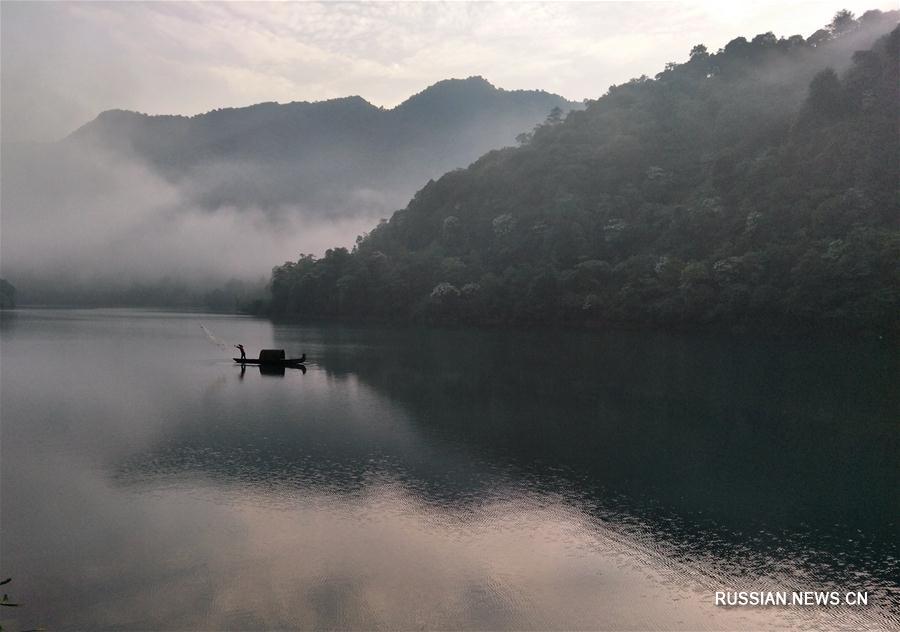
(338, 156)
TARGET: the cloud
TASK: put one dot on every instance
(65, 62)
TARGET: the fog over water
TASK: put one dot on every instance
(74, 216)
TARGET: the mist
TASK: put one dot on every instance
(77, 220)
(99, 214)
(130, 199)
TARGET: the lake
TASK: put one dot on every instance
(424, 478)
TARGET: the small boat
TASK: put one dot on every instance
(285, 362)
(272, 357)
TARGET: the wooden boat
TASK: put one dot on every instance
(272, 357)
(284, 362)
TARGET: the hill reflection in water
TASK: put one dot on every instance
(719, 463)
(439, 479)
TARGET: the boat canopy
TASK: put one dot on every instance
(271, 355)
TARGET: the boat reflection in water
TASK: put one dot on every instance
(273, 370)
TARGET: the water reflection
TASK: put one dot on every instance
(271, 370)
(441, 479)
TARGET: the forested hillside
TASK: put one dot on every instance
(753, 187)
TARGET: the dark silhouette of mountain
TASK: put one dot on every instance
(342, 156)
(754, 187)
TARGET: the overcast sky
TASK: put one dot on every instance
(63, 63)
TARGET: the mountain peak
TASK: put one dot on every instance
(475, 81)
(452, 87)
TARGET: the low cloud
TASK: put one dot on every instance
(77, 217)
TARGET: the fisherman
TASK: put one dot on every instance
(241, 349)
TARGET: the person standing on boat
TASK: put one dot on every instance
(241, 349)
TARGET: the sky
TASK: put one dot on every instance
(63, 63)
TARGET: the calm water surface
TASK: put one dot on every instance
(439, 479)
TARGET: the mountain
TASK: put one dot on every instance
(342, 156)
(132, 209)
(751, 188)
